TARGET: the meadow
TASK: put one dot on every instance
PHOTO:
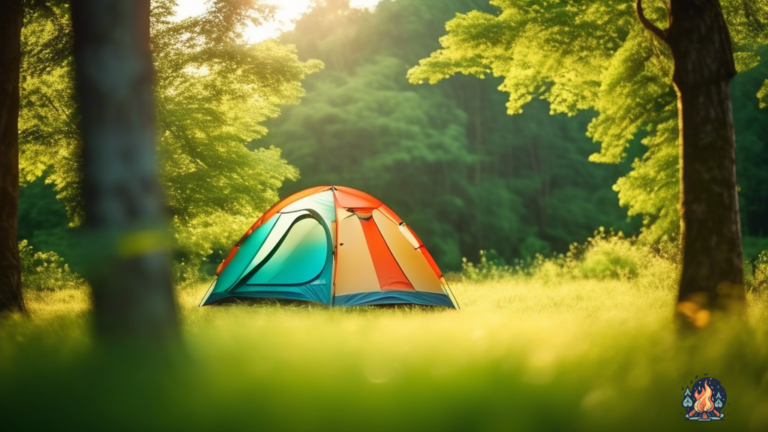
(576, 124)
(536, 352)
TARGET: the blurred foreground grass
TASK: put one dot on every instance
(524, 354)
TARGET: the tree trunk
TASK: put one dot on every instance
(712, 276)
(10, 60)
(125, 213)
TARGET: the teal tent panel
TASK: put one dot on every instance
(322, 203)
(317, 290)
(236, 268)
(299, 258)
(394, 297)
(281, 227)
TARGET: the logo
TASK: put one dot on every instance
(705, 400)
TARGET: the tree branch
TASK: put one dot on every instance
(661, 34)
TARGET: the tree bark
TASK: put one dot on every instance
(10, 61)
(712, 275)
(126, 217)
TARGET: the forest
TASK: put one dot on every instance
(590, 177)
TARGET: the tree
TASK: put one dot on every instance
(712, 274)
(596, 56)
(213, 92)
(125, 213)
(11, 16)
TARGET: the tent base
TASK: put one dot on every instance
(265, 301)
(394, 297)
(380, 298)
(295, 295)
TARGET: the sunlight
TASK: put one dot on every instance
(187, 240)
(287, 12)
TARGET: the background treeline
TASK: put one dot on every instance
(463, 172)
(446, 157)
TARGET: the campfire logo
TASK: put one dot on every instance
(705, 400)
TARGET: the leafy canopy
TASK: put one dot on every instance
(213, 93)
(594, 55)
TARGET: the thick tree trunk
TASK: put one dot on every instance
(125, 213)
(712, 277)
(10, 61)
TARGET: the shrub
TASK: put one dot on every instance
(604, 256)
(608, 256)
(759, 280)
(490, 267)
(45, 270)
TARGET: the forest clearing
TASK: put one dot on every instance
(351, 215)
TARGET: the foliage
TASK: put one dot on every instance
(604, 256)
(520, 350)
(46, 270)
(751, 125)
(608, 256)
(759, 277)
(213, 90)
(445, 158)
(43, 219)
(594, 55)
(466, 176)
(489, 267)
(363, 131)
(49, 141)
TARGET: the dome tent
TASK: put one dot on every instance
(332, 245)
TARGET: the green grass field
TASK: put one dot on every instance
(523, 354)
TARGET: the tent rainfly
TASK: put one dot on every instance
(332, 245)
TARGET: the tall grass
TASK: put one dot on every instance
(558, 348)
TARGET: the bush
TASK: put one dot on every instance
(608, 256)
(46, 270)
(759, 280)
(604, 256)
(490, 267)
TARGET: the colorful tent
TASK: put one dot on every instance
(332, 245)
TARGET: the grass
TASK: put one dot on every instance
(523, 354)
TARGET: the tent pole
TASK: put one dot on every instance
(455, 300)
(207, 293)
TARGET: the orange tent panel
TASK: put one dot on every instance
(351, 198)
(391, 277)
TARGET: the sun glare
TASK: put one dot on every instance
(287, 12)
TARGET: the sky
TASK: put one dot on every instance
(288, 11)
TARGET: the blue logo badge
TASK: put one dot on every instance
(705, 400)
